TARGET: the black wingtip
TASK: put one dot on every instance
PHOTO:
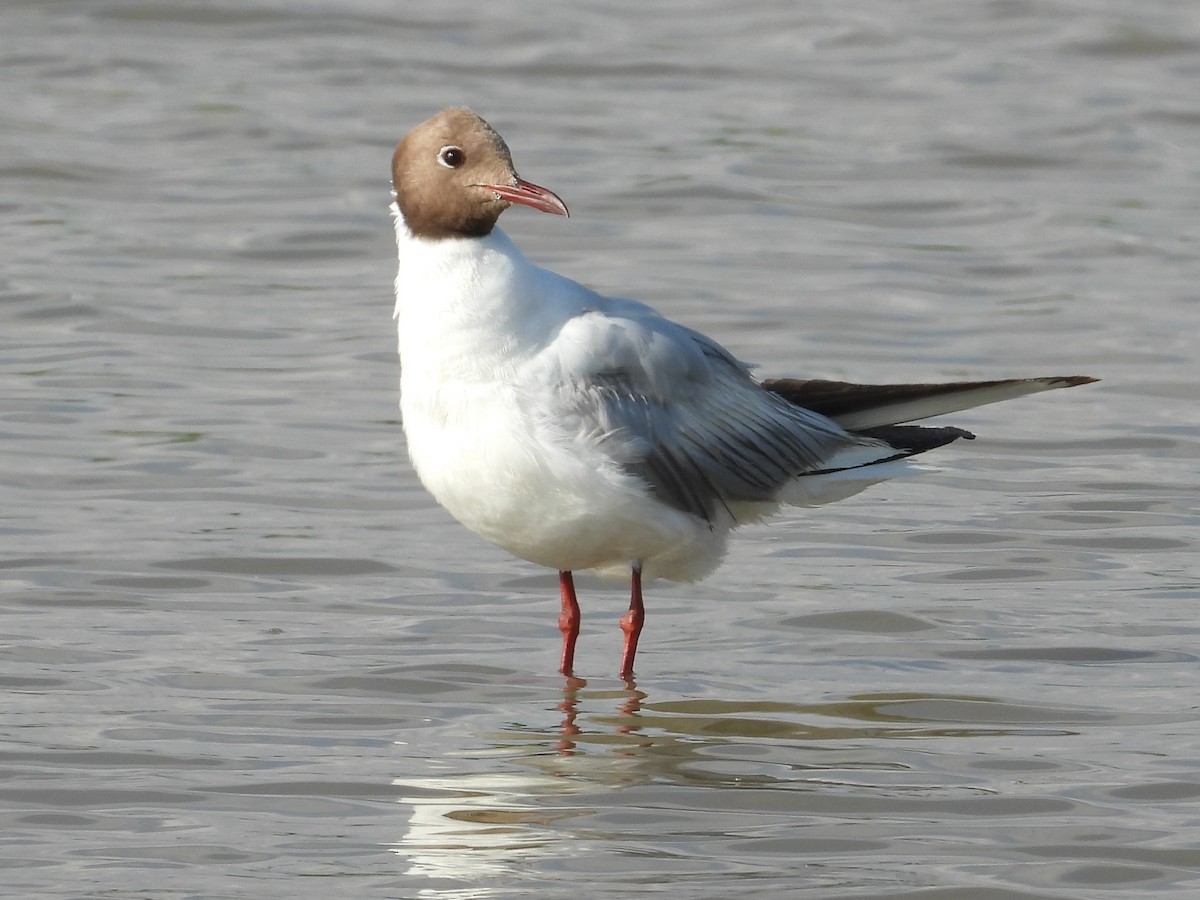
(1072, 380)
(913, 439)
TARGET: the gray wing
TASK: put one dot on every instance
(676, 409)
(700, 456)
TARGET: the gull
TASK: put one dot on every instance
(584, 432)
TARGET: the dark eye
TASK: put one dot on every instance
(451, 157)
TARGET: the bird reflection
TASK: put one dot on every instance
(570, 709)
(545, 797)
(628, 720)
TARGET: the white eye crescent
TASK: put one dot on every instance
(451, 157)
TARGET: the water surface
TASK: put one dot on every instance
(246, 655)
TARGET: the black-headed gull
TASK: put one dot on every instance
(579, 431)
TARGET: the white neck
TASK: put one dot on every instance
(462, 303)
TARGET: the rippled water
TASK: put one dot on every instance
(245, 655)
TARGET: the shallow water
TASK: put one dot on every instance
(245, 654)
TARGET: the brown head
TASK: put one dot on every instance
(453, 177)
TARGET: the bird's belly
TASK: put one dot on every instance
(537, 495)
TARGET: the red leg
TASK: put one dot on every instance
(631, 622)
(568, 621)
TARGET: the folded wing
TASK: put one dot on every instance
(676, 409)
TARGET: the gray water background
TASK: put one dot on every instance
(245, 655)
